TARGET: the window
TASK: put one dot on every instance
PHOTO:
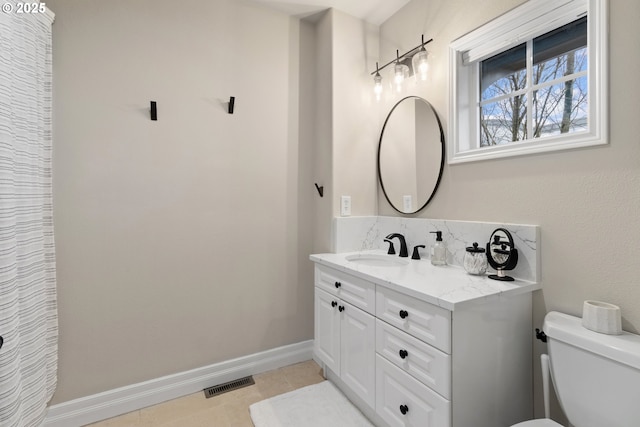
(532, 80)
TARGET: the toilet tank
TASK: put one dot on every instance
(596, 376)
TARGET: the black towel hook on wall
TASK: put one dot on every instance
(153, 110)
(320, 189)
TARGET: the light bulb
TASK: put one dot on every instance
(400, 72)
(421, 64)
(377, 85)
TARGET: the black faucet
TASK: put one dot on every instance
(391, 250)
(403, 243)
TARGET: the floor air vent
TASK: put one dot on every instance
(230, 386)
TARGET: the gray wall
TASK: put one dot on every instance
(346, 119)
(181, 242)
(586, 202)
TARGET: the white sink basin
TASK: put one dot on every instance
(377, 260)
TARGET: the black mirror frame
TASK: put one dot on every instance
(442, 157)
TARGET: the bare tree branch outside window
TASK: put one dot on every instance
(557, 87)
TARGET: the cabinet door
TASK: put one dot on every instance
(327, 330)
(357, 351)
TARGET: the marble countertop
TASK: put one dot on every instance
(449, 287)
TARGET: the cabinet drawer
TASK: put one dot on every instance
(424, 321)
(427, 364)
(397, 392)
(349, 288)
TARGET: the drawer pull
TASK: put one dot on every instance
(404, 409)
(403, 314)
(341, 308)
(338, 284)
(333, 303)
(403, 354)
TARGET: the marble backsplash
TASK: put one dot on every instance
(366, 233)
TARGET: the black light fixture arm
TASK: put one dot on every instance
(399, 57)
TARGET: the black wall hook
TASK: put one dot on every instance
(320, 189)
(154, 110)
(232, 101)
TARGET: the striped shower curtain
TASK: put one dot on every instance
(28, 313)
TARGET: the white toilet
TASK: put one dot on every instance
(596, 376)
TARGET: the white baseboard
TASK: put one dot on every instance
(119, 401)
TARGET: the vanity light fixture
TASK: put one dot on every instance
(415, 60)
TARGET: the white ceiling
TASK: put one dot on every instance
(373, 11)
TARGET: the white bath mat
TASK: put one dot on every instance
(318, 405)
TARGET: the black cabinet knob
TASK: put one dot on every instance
(404, 409)
(338, 284)
(403, 354)
(341, 308)
(403, 314)
(333, 303)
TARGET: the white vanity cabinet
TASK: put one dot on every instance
(417, 363)
(345, 329)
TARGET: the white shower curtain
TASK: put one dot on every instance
(28, 312)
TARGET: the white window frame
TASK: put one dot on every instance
(526, 22)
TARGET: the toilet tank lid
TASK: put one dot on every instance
(624, 348)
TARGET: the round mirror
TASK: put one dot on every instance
(411, 155)
(501, 254)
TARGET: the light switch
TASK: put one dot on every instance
(408, 203)
(345, 205)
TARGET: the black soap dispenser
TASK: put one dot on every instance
(438, 250)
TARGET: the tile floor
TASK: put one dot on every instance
(230, 409)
